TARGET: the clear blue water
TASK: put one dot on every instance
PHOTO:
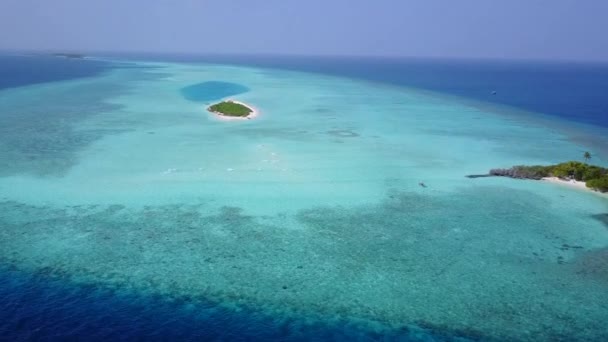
(212, 91)
(570, 90)
(24, 70)
(54, 216)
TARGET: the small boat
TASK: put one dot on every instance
(493, 92)
(422, 184)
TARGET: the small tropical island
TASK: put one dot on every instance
(231, 109)
(573, 173)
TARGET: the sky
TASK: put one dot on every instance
(526, 29)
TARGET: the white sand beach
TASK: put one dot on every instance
(572, 183)
(568, 182)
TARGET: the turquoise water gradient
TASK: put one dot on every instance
(312, 210)
(212, 91)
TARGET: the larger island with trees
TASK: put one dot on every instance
(594, 177)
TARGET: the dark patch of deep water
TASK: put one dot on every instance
(46, 306)
(19, 71)
(212, 91)
(602, 218)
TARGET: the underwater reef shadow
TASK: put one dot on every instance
(603, 218)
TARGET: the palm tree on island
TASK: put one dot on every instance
(587, 156)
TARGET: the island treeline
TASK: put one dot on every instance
(595, 177)
(230, 108)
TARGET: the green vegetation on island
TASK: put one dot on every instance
(230, 108)
(595, 177)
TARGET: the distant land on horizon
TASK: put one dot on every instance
(212, 54)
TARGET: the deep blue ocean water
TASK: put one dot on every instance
(18, 70)
(573, 91)
(49, 307)
(46, 307)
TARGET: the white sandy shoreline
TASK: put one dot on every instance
(571, 183)
(568, 182)
(254, 112)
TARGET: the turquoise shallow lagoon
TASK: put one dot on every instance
(311, 211)
(212, 91)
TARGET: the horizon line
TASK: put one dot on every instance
(101, 53)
